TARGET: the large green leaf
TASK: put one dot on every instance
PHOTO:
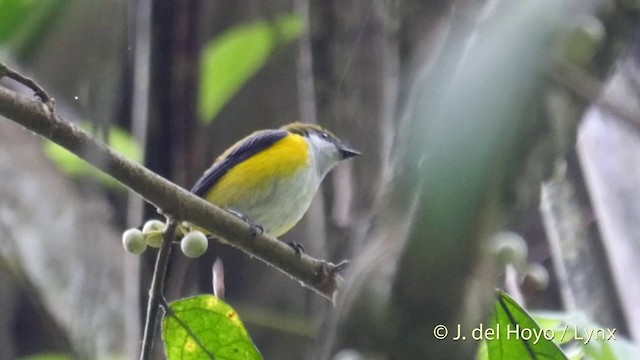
(517, 335)
(207, 321)
(233, 57)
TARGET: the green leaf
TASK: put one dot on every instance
(229, 60)
(70, 164)
(518, 336)
(213, 323)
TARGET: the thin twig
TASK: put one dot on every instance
(6, 71)
(156, 292)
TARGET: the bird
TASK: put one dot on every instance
(270, 177)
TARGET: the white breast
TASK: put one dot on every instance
(286, 200)
(284, 203)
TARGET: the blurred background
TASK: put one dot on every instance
(500, 147)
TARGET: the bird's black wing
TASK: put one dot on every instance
(242, 151)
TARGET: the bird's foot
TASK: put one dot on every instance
(254, 228)
(298, 248)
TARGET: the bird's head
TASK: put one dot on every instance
(327, 148)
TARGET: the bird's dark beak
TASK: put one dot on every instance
(348, 153)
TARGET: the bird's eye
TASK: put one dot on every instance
(324, 135)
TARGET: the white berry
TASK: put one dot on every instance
(194, 244)
(133, 241)
(153, 225)
(153, 231)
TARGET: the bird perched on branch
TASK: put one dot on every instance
(270, 177)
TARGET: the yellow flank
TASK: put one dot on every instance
(244, 180)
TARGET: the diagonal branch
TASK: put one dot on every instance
(172, 200)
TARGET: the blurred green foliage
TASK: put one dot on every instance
(215, 324)
(579, 337)
(586, 339)
(119, 139)
(23, 23)
(233, 57)
(47, 356)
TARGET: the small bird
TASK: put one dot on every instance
(270, 177)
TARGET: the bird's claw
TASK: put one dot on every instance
(298, 248)
(254, 229)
